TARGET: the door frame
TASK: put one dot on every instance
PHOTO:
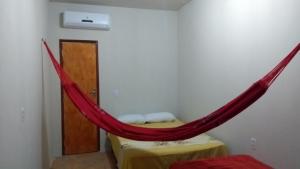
(61, 41)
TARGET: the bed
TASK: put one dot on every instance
(230, 162)
(132, 154)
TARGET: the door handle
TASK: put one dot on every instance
(93, 93)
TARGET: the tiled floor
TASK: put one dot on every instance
(85, 161)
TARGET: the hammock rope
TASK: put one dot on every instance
(104, 120)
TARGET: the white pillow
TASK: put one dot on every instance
(132, 118)
(159, 117)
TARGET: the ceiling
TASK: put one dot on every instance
(145, 4)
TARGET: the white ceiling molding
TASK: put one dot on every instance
(145, 4)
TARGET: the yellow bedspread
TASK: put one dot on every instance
(132, 154)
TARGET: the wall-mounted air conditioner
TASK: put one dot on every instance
(84, 20)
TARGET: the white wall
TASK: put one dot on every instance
(224, 46)
(138, 57)
(22, 27)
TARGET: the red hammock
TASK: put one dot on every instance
(104, 120)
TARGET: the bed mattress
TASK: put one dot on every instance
(132, 154)
(231, 162)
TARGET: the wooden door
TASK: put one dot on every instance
(80, 60)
